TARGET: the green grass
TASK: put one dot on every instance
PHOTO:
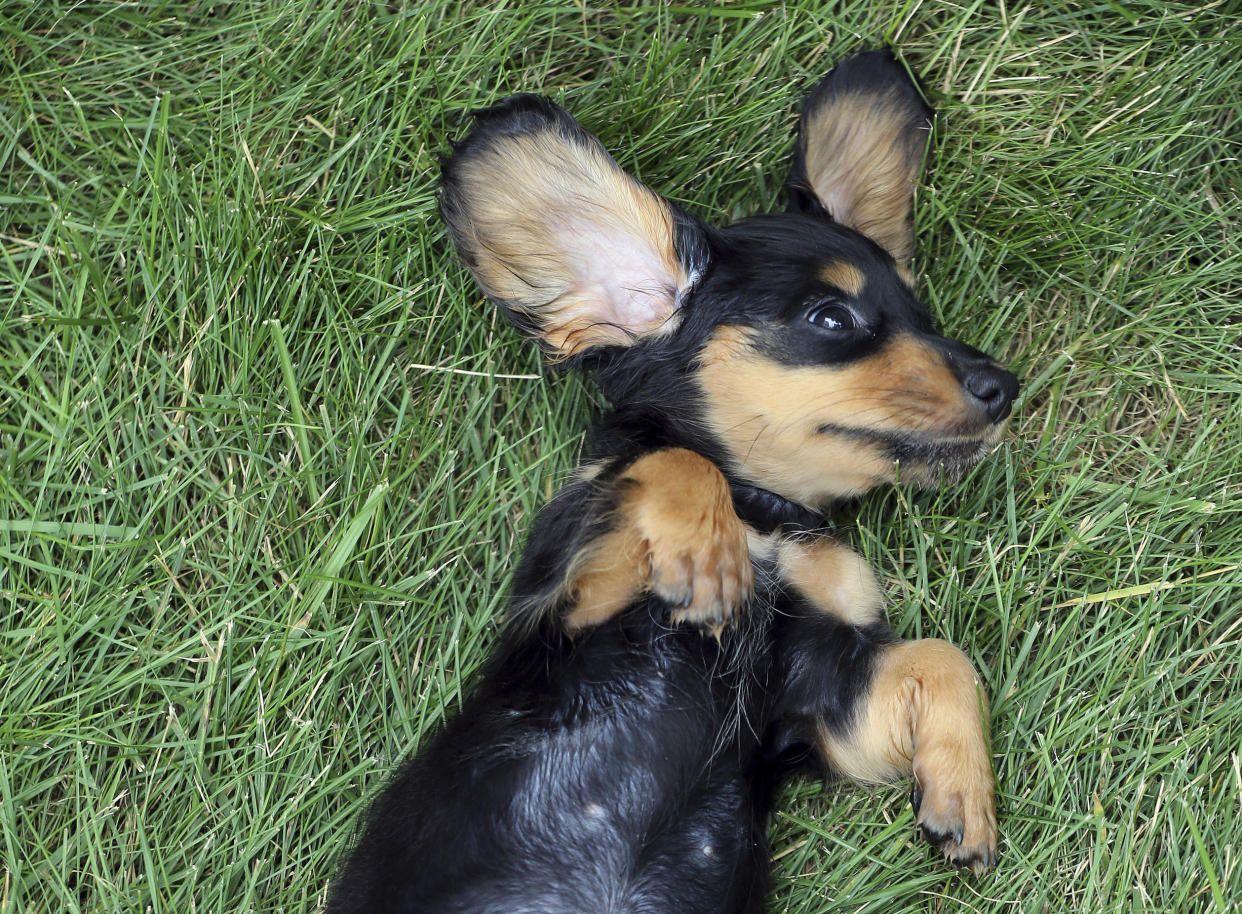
(266, 459)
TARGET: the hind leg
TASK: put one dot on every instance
(921, 710)
(924, 714)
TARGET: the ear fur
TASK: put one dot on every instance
(861, 142)
(571, 247)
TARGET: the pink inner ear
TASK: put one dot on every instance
(619, 285)
(634, 287)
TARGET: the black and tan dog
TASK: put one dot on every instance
(613, 757)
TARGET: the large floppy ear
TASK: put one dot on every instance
(861, 143)
(571, 247)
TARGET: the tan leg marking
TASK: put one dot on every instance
(926, 715)
(606, 578)
(832, 577)
(676, 535)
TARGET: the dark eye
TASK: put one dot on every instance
(832, 315)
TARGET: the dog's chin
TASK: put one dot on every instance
(928, 463)
(883, 458)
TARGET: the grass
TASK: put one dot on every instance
(265, 458)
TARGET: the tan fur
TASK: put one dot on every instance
(861, 165)
(940, 401)
(606, 578)
(677, 535)
(926, 715)
(770, 415)
(845, 276)
(558, 231)
(762, 546)
(835, 579)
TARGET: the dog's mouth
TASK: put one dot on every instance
(924, 460)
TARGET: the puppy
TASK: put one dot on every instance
(614, 757)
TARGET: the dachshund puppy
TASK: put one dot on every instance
(682, 630)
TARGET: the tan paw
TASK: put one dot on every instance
(696, 544)
(955, 805)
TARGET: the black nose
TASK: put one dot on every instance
(993, 388)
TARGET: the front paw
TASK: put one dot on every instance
(708, 581)
(695, 543)
(954, 800)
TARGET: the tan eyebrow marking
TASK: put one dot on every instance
(845, 276)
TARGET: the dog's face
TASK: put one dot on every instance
(790, 347)
(830, 378)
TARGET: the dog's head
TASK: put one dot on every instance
(790, 348)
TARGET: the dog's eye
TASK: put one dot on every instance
(832, 315)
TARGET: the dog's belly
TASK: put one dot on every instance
(577, 798)
(627, 847)
(632, 811)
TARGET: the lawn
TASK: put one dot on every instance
(267, 458)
